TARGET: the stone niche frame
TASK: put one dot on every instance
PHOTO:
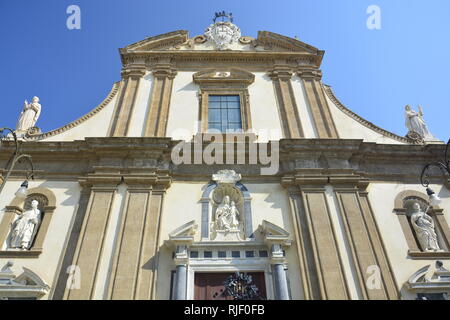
(207, 214)
(16, 207)
(223, 82)
(441, 226)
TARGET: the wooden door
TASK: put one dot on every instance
(209, 286)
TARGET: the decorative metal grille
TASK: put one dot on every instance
(241, 287)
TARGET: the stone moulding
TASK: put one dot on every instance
(276, 47)
(159, 41)
(361, 120)
(80, 120)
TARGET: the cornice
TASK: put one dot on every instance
(221, 56)
(361, 120)
(141, 159)
(80, 120)
(159, 41)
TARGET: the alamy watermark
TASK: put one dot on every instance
(231, 147)
(74, 278)
(373, 281)
(374, 19)
(73, 21)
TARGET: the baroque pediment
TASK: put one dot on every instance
(180, 41)
(274, 234)
(184, 233)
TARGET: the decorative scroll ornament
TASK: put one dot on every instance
(223, 33)
(226, 176)
(241, 287)
(415, 137)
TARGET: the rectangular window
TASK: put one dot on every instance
(224, 113)
(235, 254)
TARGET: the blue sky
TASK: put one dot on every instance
(375, 73)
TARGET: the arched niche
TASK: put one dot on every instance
(47, 205)
(403, 208)
(212, 197)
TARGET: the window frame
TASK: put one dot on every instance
(228, 109)
(205, 93)
(220, 81)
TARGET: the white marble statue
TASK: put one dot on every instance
(222, 214)
(233, 216)
(423, 225)
(29, 116)
(227, 216)
(25, 227)
(415, 123)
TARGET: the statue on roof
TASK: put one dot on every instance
(29, 115)
(416, 124)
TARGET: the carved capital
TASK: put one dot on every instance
(340, 178)
(309, 73)
(282, 72)
(133, 71)
(164, 69)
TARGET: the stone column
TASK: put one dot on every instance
(90, 240)
(158, 113)
(125, 102)
(181, 258)
(318, 244)
(135, 263)
(321, 114)
(290, 119)
(279, 274)
(71, 246)
(365, 243)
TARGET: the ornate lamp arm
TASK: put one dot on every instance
(443, 165)
(14, 136)
(16, 157)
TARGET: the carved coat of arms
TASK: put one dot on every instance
(223, 34)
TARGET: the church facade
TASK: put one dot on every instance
(221, 167)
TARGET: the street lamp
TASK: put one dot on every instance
(23, 190)
(444, 166)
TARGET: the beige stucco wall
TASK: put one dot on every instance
(140, 109)
(304, 109)
(382, 196)
(184, 107)
(266, 121)
(95, 126)
(67, 196)
(349, 128)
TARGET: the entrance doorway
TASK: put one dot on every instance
(210, 286)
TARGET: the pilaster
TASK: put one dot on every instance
(320, 110)
(156, 122)
(281, 77)
(123, 111)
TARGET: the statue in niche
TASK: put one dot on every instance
(233, 216)
(25, 227)
(423, 225)
(29, 116)
(227, 216)
(416, 124)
